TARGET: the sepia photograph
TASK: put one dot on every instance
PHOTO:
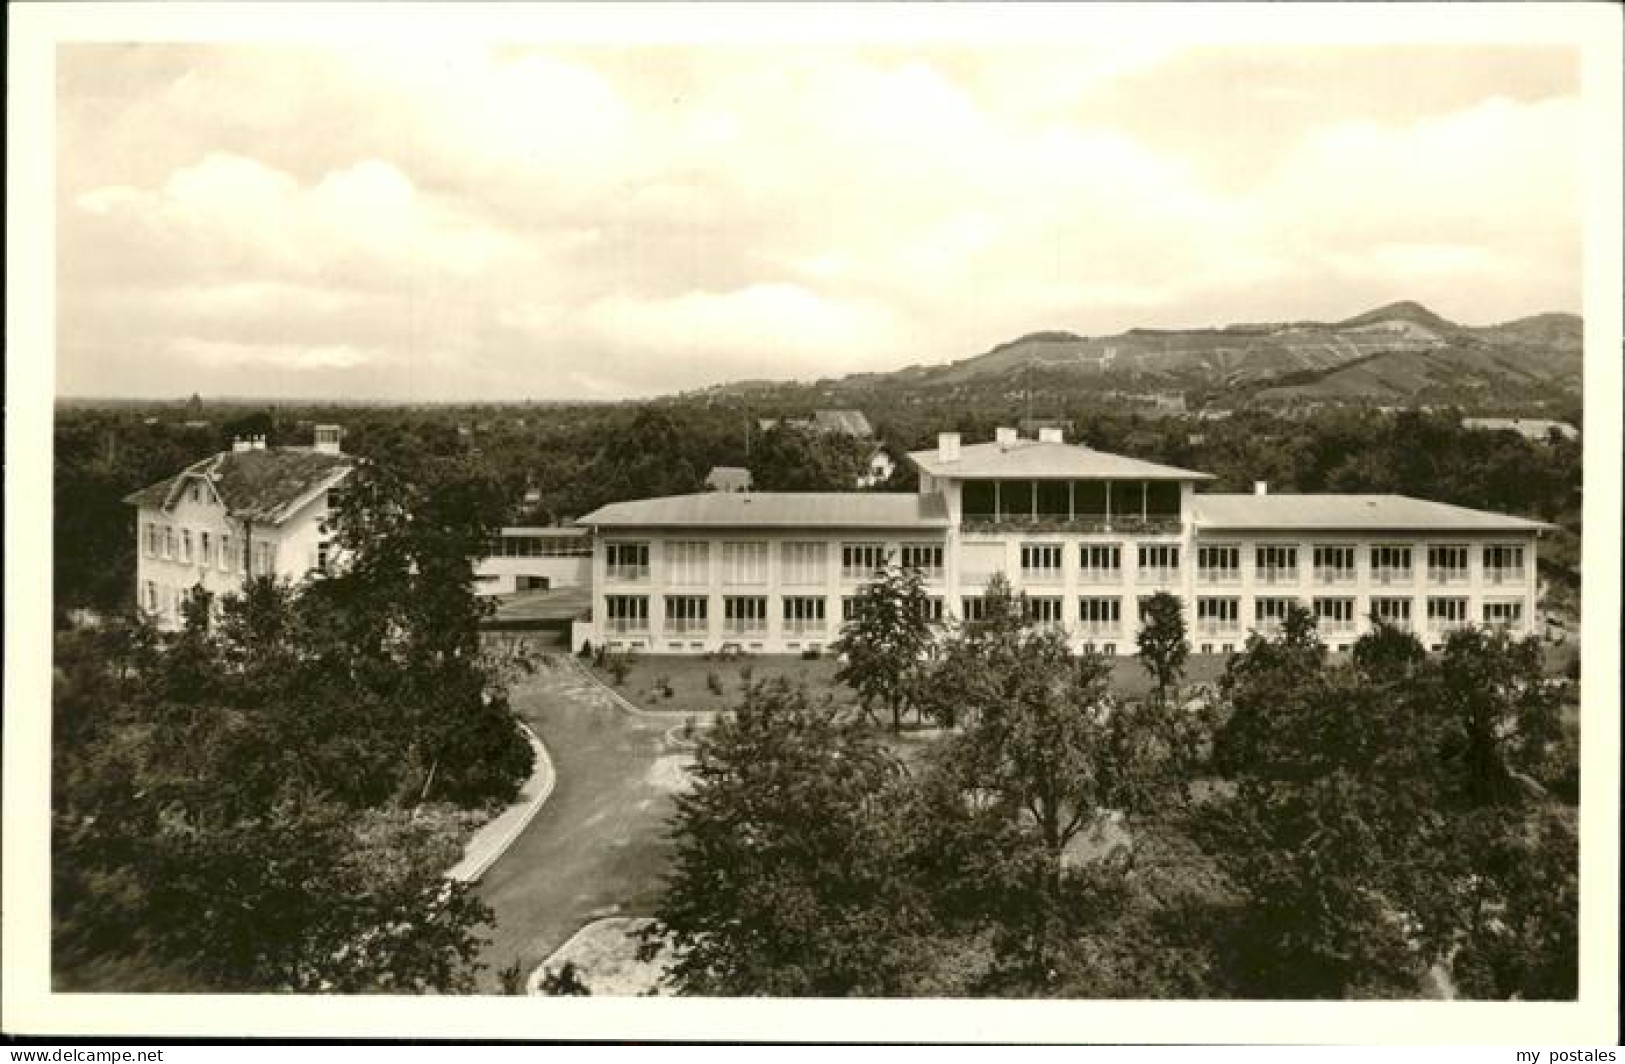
(1009, 511)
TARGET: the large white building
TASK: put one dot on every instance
(247, 512)
(1085, 536)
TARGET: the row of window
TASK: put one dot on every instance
(746, 562)
(208, 550)
(1095, 614)
(807, 563)
(517, 546)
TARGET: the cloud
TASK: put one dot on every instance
(468, 221)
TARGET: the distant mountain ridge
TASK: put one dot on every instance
(1399, 351)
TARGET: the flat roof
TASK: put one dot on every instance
(760, 509)
(1349, 513)
(1043, 460)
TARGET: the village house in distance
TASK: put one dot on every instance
(1086, 536)
(248, 512)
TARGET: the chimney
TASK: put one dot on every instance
(1261, 487)
(239, 445)
(1051, 436)
(327, 439)
(1005, 437)
(947, 446)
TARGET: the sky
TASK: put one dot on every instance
(474, 221)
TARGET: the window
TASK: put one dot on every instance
(1100, 616)
(932, 609)
(803, 614)
(1218, 565)
(926, 557)
(686, 613)
(688, 563)
(1503, 564)
(851, 606)
(627, 613)
(973, 607)
(1270, 613)
(205, 549)
(1158, 562)
(151, 598)
(977, 500)
(197, 492)
(1334, 565)
(744, 563)
(1041, 562)
(186, 545)
(150, 539)
(744, 613)
(323, 555)
(1445, 614)
(1506, 613)
(518, 545)
(1447, 564)
(1100, 563)
(627, 562)
(1277, 565)
(859, 561)
(1042, 610)
(1392, 611)
(803, 563)
(1334, 615)
(1015, 500)
(264, 558)
(1391, 565)
(1218, 614)
(169, 542)
(227, 560)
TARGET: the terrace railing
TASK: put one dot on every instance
(986, 524)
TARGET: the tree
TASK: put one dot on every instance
(882, 647)
(786, 878)
(1385, 818)
(1043, 753)
(193, 850)
(1162, 643)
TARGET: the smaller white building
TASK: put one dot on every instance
(247, 512)
(535, 559)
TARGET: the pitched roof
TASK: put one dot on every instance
(850, 422)
(1040, 460)
(728, 478)
(1352, 513)
(807, 509)
(257, 485)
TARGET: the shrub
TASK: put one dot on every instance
(566, 982)
(713, 683)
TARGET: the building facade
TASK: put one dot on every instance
(244, 513)
(535, 559)
(1084, 536)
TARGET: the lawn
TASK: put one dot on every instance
(699, 685)
(694, 681)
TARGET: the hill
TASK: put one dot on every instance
(1399, 352)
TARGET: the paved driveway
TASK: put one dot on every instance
(598, 846)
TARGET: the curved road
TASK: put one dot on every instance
(598, 847)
